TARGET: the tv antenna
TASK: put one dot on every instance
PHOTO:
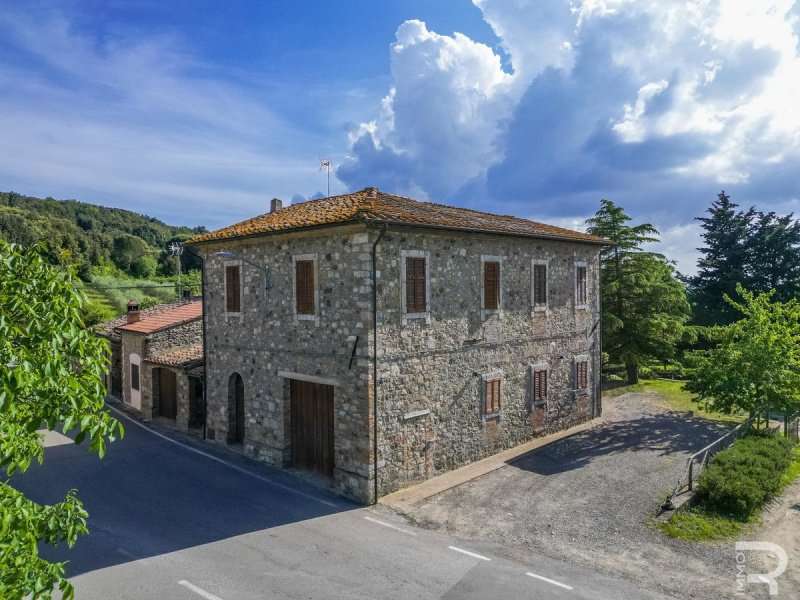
(176, 250)
(326, 163)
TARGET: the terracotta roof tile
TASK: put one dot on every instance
(176, 314)
(177, 357)
(373, 205)
(107, 329)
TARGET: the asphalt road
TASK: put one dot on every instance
(169, 520)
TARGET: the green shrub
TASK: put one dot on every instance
(740, 479)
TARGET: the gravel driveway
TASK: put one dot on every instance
(588, 499)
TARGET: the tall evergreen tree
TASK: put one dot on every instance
(644, 305)
(724, 261)
(774, 256)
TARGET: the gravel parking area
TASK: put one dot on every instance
(589, 498)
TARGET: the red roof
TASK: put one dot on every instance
(373, 205)
(176, 314)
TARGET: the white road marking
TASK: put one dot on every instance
(198, 591)
(224, 462)
(468, 553)
(389, 525)
(553, 581)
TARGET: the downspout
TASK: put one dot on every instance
(205, 346)
(598, 392)
(375, 358)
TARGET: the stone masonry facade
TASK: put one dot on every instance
(143, 350)
(432, 367)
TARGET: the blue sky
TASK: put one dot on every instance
(199, 112)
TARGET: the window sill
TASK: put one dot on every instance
(423, 315)
(539, 310)
(303, 317)
(490, 312)
(540, 403)
(492, 417)
(581, 307)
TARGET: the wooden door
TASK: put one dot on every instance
(312, 426)
(167, 394)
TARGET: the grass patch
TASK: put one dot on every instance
(793, 472)
(671, 395)
(697, 524)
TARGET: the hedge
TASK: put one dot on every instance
(740, 479)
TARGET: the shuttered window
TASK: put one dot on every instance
(581, 375)
(415, 285)
(304, 290)
(540, 385)
(134, 377)
(491, 285)
(233, 298)
(580, 285)
(540, 285)
(491, 396)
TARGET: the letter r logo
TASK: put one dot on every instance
(768, 578)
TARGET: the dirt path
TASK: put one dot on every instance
(588, 499)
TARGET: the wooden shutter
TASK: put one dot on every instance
(491, 285)
(232, 289)
(581, 375)
(540, 285)
(415, 285)
(540, 385)
(304, 280)
(580, 289)
(491, 396)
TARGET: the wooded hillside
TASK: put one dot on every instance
(93, 235)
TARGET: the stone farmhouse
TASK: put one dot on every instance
(379, 340)
(156, 365)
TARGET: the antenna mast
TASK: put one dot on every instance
(326, 163)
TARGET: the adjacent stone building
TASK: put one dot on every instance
(379, 340)
(156, 364)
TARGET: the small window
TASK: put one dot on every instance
(580, 285)
(491, 285)
(304, 287)
(233, 290)
(539, 385)
(415, 285)
(134, 377)
(539, 285)
(582, 375)
(491, 396)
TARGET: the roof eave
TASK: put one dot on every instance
(377, 221)
(598, 241)
(165, 327)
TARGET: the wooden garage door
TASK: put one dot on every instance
(312, 426)
(167, 398)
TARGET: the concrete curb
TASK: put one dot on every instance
(407, 498)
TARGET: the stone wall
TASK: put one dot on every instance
(179, 336)
(267, 344)
(431, 370)
(134, 343)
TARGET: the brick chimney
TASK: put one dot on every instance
(275, 204)
(133, 311)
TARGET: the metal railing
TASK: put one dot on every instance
(791, 427)
(697, 461)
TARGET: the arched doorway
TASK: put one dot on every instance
(235, 409)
